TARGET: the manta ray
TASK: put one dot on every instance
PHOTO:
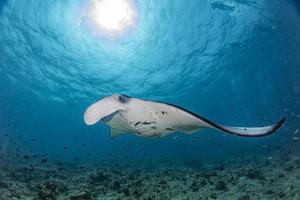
(147, 118)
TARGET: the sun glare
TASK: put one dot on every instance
(112, 16)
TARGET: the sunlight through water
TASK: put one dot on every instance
(112, 16)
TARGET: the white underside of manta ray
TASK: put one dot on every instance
(155, 119)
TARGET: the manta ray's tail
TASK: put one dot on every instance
(250, 131)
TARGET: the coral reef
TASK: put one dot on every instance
(271, 180)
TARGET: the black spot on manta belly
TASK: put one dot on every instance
(169, 129)
(147, 123)
(137, 123)
(164, 112)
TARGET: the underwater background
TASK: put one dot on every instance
(235, 62)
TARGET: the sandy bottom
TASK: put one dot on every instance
(270, 179)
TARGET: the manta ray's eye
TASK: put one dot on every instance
(123, 99)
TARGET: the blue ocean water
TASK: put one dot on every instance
(235, 62)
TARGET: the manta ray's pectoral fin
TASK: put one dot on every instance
(188, 129)
(246, 131)
(189, 122)
(116, 132)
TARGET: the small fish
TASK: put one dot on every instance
(218, 144)
(175, 137)
(44, 160)
(295, 138)
(269, 158)
(296, 131)
(292, 113)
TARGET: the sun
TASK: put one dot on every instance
(112, 16)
